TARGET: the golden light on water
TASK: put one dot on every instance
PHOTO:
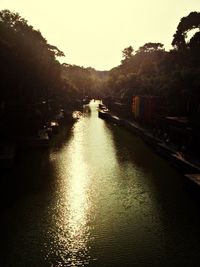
(74, 205)
(78, 203)
(101, 197)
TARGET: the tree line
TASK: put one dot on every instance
(173, 75)
(30, 70)
(30, 73)
(34, 85)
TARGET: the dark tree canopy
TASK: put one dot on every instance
(186, 24)
(28, 63)
(195, 41)
(151, 47)
(173, 75)
(127, 53)
(31, 73)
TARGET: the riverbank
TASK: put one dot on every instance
(185, 164)
(99, 197)
(17, 134)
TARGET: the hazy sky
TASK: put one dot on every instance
(94, 32)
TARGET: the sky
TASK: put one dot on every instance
(93, 33)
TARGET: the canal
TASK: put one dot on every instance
(101, 197)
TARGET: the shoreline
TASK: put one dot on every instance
(182, 163)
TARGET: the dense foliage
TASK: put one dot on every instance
(87, 82)
(30, 73)
(29, 70)
(173, 75)
(32, 88)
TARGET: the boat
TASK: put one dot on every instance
(77, 115)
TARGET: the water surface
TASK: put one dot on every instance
(101, 198)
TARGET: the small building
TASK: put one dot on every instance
(145, 108)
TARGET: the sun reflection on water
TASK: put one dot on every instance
(80, 170)
(78, 231)
(73, 203)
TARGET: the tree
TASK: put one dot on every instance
(30, 80)
(186, 24)
(195, 41)
(31, 71)
(127, 54)
(151, 47)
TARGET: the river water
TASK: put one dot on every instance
(100, 198)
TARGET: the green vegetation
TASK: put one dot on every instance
(29, 70)
(33, 81)
(86, 82)
(34, 85)
(168, 86)
(173, 75)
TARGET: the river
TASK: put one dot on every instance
(101, 197)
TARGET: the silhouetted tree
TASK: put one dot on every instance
(127, 53)
(186, 24)
(195, 41)
(151, 47)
